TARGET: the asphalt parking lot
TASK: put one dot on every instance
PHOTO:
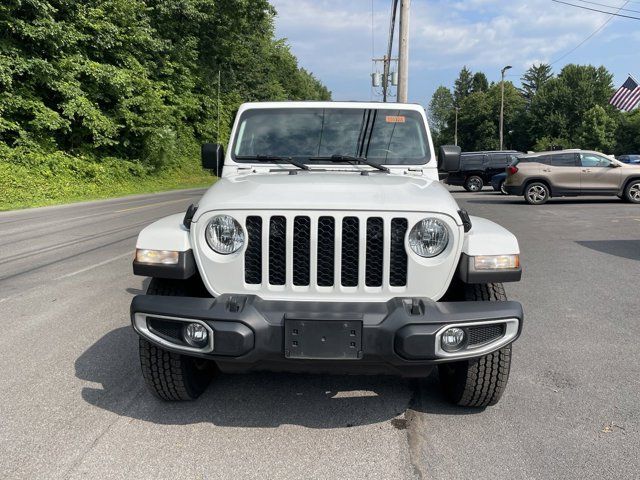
(73, 403)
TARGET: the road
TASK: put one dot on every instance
(74, 406)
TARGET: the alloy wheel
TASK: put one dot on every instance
(634, 192)
(475, 185)
(537, 194)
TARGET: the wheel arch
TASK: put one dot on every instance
(543, 180)
(168, 233)
(627, 182)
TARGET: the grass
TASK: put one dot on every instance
(37, 181)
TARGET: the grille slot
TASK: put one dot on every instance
(301, 250)
(375, 252)
(277, 250)
(253, 254)
(326, 251)
(398, 254)
(484, 334)
(350, 244)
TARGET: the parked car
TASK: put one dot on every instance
(629, 158)
(320, 249)
(540, 176)
(497, 182)
(477, 168)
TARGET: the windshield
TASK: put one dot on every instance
(392, 137)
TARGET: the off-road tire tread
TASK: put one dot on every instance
(171, 376)
(164, 373)
(478, 382)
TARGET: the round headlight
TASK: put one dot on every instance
(429, 237)
(224, 234)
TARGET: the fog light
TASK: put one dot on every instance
(452, 339)
(196, 335)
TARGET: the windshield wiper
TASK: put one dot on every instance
(349, 158)
(273, 158)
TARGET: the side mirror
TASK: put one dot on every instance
(449, 158)
(614, 165)
(213, 157)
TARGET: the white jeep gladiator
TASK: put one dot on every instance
(327, 245)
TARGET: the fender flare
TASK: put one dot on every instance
(487, 238)
(168, 233)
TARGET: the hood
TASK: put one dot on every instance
(329, 191)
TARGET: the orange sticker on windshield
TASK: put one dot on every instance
(395, 119)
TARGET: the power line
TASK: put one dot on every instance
(613, 7)
(596, 10)
(593, 34)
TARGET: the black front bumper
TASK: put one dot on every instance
(397, 337)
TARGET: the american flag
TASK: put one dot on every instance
(628, 95)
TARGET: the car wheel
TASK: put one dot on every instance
(502, 189)
(632, 192)
(479, 382)
(168, 375)
(537, 193)
(473, 184)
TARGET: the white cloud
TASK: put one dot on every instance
(332, 38)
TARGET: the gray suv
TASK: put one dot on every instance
(540, 176)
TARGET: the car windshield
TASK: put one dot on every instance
(313, 135)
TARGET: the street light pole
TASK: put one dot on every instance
(455, 135)
(502, 107)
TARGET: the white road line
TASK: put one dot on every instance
(91, 267)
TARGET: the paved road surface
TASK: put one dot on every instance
(73, 403)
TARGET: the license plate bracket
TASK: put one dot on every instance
(323, 339)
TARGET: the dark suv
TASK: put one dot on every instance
(477, 168)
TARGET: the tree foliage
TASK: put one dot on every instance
(570, 110)
(534, 79)
(463, 86)
(138, 79)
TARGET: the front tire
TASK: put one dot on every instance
(473, 184)
(479, 382)
(171, 376)
(632, 192)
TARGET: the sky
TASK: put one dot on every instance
(333, 39)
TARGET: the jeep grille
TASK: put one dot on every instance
(349, 234)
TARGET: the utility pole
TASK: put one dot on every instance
(502, 107)
(403, 52)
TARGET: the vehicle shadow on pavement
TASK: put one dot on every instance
(620, 248)
(263, 400)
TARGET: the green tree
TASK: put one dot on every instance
(440, 108)
(463, 86)
(479, 82)
(559, 107)
(137, 79)
(628, 133)
(598, 130)
(479, 117)
(534, 78)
